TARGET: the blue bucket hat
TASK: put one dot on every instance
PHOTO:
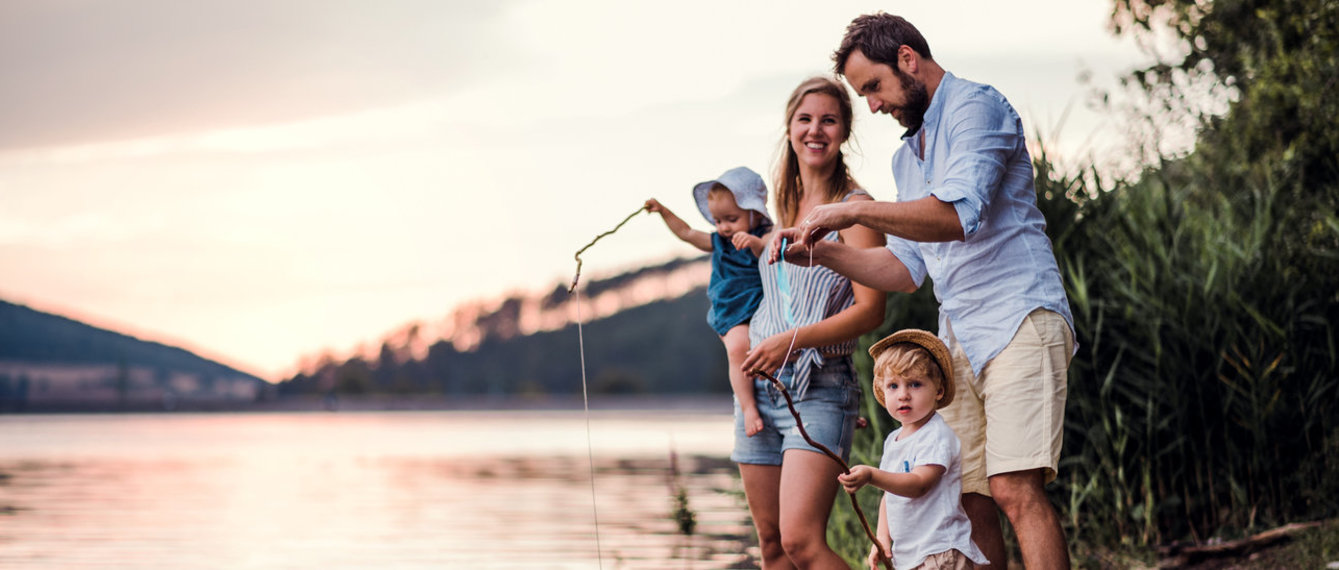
(749, 189)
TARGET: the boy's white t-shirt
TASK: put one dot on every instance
(934, 522)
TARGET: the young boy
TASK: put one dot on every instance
(736, 203)
(920, 516)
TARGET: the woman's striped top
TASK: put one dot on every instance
(815, 293)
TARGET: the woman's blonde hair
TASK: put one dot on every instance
(787, 184)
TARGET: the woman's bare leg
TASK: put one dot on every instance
(808, 487)
(762, 488)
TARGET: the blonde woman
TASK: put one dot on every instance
(804, 333)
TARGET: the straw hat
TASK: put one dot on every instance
(932, 344)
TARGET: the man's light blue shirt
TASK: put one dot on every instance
(976, 158)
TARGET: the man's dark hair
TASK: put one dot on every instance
(878, 36)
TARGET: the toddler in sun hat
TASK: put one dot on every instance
(736, 204)
(745, 186)
(925, 340)
(920, 515)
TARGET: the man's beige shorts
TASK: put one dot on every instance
(1011, 417)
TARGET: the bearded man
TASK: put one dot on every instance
(967, 217)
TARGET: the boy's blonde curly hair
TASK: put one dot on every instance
(913, 352)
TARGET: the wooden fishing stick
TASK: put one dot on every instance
(592, 242)
(799, 423)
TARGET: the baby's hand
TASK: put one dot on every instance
(652, 205)
(857, 478)
(742, 240)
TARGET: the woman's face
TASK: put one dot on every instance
(816, 130)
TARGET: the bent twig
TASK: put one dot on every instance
(592, 242)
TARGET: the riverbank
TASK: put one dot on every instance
(692, 403)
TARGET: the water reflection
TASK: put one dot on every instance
(373, 490)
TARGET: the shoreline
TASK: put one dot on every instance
(708, 404)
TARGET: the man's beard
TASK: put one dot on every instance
(918, 100)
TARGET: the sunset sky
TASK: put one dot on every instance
(261, 180)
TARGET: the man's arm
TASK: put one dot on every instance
(927, 219)
(874, 267)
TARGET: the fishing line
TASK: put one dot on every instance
(585, 396)
(783, 285)
(585, 401)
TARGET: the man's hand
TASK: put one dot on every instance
(824, 219)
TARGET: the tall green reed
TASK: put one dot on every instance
(1206, 377)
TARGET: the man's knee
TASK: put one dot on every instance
(977, 502)
(1019, 492)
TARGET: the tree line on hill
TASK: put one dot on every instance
(53, 363)
(664, 347)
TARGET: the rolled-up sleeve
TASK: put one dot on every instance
(983, 133)
(909, 253)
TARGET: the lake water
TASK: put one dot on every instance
(296, 490)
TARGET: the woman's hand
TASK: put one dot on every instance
(774, 248)
(770, 354)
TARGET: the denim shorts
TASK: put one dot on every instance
(829, 410)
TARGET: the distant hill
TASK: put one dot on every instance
(645, 332)
(50, 362)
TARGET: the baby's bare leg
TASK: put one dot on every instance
(736, 348)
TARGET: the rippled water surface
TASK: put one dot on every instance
(444, 489)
